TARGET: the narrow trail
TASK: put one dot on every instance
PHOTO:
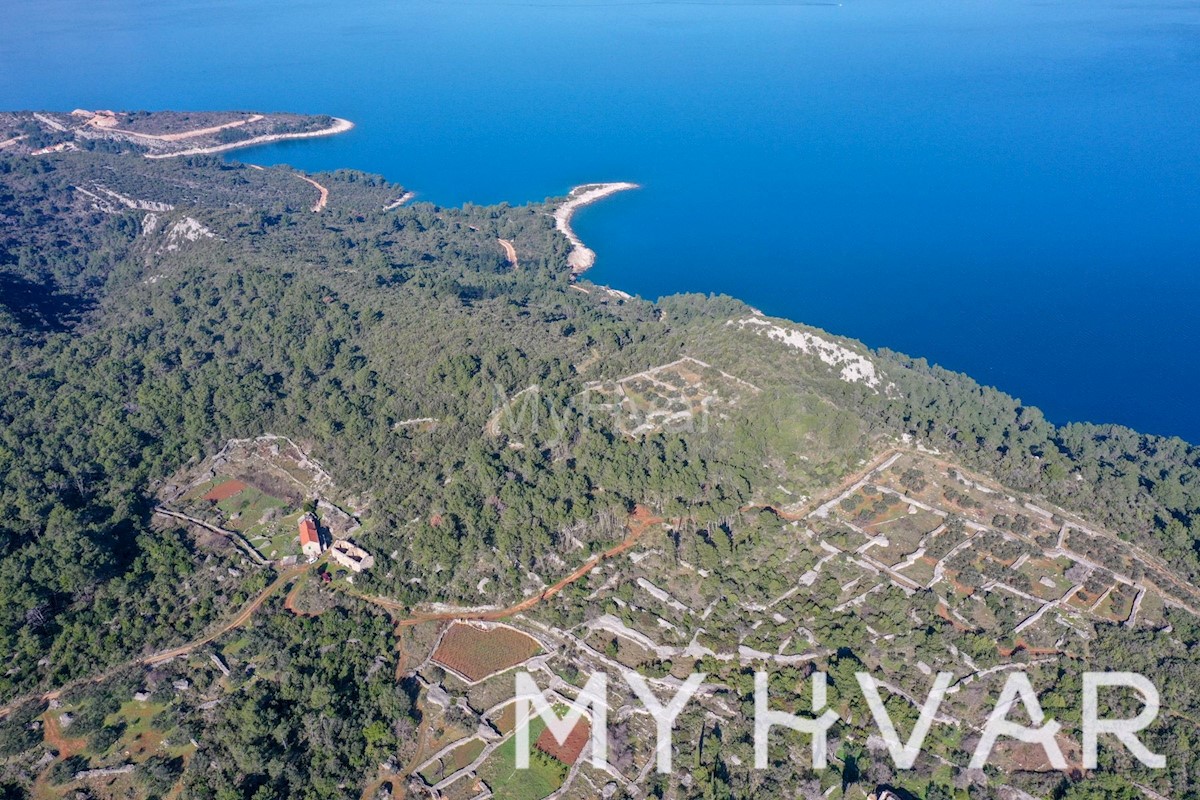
(320, 204)
(492, 428)
(397, 780)
(641, 521)
(54, 739)
(184, 135)
(289, 600)
(375, 785)
(338, 126)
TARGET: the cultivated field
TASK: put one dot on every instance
(452, 762)
(569, 751)
(544, 776)
(476, 652)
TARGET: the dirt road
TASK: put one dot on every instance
(510, 252)
(53, 734)
(641, 521)
(338, 126)
(242, 617)
(320, 204)
(184, 135)
(238, 621)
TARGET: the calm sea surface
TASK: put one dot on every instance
(1008, 188)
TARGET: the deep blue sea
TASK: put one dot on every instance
(1009, 188)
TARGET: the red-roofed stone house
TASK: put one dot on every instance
(310, 538)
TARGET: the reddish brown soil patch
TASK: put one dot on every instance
(225, 491)
(1083, 599)
(944, 613)
(960, 588)
(52, 733)
(506, 720)
(289, 601)
(477, 653)
(147, 743)
(567, 752)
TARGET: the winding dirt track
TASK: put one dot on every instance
(510, 252)
(192, 134)
(639, 523)
(320, 204)
(53, 734)
(338, 126)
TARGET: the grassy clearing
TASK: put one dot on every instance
(245, 509)
(920, 571)
(1047, 577)
(277, 538)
